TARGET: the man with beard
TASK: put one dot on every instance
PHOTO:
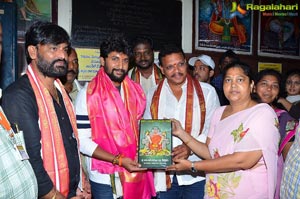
(107, 113)
(145, 72)
(38, 103)
(191, 102)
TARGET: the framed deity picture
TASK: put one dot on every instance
(278, 29)
(224, 24)
(155, 144)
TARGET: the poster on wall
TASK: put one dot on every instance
(224, 24)
(30, 11)
(279, 29)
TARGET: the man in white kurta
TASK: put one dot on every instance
(173, 104)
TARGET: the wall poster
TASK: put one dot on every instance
(224, 24)
(279, 25)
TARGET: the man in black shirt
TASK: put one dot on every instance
(38, 103)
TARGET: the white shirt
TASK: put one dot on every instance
(293, 98)
(146, 83)
(87, 145)
(170, 107)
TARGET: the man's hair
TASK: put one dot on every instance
(168, 49)
(44, 33)
(114, 43)
(230, 54)
(142, 40)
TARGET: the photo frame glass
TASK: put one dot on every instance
(222, 25)
(278, 29)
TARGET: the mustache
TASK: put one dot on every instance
(119, 70)
(58, 60)
(180, 74)
(72, 71)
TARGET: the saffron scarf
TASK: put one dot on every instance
(114, 125)
(191, 84)
(136, 75)
(53, 151)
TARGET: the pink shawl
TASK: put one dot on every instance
(114, 126)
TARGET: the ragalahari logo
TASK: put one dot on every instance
(237, 7)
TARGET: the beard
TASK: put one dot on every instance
(49, 69)
(142, 66)
(115, 78)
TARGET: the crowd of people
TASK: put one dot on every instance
(235, 134)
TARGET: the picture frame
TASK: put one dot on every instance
(278, 33)
(155, 143)
(215, 31)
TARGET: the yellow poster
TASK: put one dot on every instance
(89, 63)
(264, 65)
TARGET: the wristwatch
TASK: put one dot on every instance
(193, 169)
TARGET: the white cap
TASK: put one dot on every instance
(205, 59)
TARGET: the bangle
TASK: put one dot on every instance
(120, 160)
(54, 196)
(116, 159)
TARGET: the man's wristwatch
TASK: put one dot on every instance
(193, 169)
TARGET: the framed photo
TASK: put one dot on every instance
(155, 144)
(222, 25)
(279, 31)
(8, 43)
(30, 11)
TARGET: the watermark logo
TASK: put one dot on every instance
(237, 8)
(275, 9)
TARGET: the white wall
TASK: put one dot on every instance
(65, 20)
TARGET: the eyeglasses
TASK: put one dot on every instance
(289, 82)
(171, 67)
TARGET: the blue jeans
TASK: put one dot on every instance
(193, 191)
(101, 191)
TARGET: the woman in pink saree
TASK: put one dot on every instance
(241, 149)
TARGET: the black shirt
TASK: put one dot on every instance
(20, 106)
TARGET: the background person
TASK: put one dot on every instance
(203, 68)
(267, 86)
(145, 71)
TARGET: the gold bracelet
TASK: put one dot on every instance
(120, 160)
(116, 159)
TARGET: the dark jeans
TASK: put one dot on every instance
(101, 191)
(194, 191)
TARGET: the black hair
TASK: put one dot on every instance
(230, 54)
(247, 71)
(274, 73)
(142, 40)
(168, 49)
(292, 73)
(44, 33)
(116, 43)
(265, 72)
